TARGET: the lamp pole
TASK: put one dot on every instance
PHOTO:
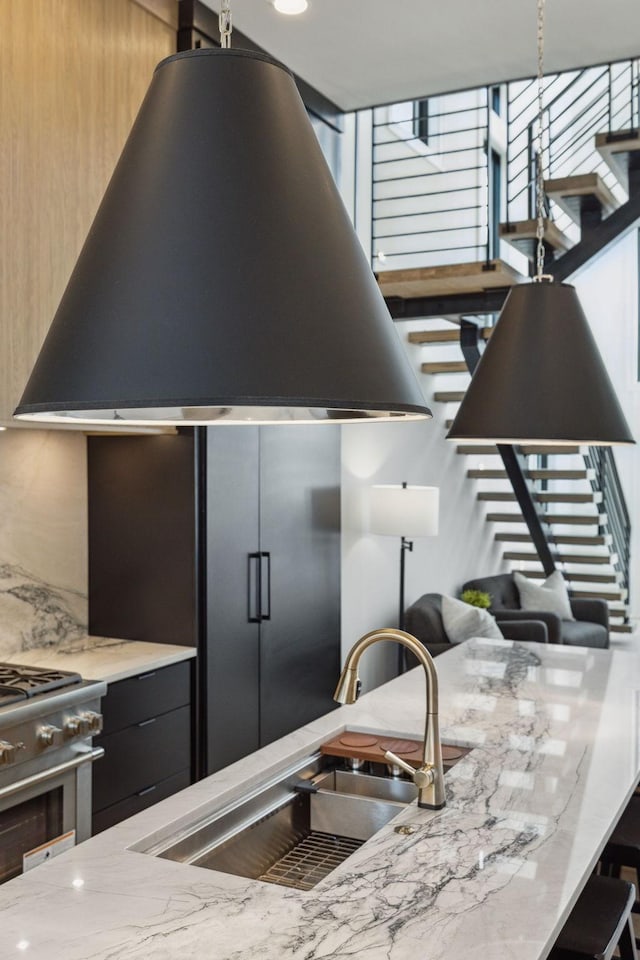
(404, 546)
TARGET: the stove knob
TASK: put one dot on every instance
(76, 727)
(7, 752)
(48, 735)
(94, 721)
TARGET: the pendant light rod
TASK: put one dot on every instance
(539, 180)
(226, 25)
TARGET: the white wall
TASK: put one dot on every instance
(418, 453)
(608, 291)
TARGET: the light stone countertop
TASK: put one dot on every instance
(103, 658)
(556, 754)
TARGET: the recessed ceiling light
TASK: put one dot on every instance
(291, 7)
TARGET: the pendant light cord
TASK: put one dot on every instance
(224, 20)
(539, 182)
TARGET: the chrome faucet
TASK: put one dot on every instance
(429, 777)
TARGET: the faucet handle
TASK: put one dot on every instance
(422, 777)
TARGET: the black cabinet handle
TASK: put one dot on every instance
(265, 585)
(259, 586)
(254, 588)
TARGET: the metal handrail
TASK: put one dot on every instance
(606, 479)
(578, 104)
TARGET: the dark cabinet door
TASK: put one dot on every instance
(232, 667)
(272, 584)
(300, 534)
(142, 561)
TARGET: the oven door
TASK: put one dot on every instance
(42, 807)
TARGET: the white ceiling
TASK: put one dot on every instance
(365, 52)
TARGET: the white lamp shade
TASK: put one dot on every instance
(398, 511)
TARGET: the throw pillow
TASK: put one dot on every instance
(462, 621)
(551, 595)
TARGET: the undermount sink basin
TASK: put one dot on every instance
(293, 830)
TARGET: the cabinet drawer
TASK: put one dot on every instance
(149, 694)
(140, 801)
(141, 756)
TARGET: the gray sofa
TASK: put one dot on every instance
(423, 619)
(589, 629)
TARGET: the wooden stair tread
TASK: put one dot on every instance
(568, 191)
(577, 578)
(551, 449)
(477, 474)
(504, 518)
(621, 628)
(435, 337)
(598, 594)
(570, 519)
(563, 519)
(473, 449)
(560, 474)
(598, 540)
(595, 559)
(593, 577)
(448, 396)
(521, 234)
(529, 450)
(546, 497)
(451, 278)
(445, 366)
(614, 147)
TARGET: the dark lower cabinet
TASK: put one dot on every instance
(147, 742)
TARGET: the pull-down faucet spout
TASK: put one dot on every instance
(429, 777)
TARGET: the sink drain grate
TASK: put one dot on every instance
(311, 860)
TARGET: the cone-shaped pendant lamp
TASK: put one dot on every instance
(541, 377)
(221, 280)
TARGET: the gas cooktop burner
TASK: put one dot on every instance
(20, 683)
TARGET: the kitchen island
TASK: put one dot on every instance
(555, 756)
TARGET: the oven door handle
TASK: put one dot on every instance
(37, 778)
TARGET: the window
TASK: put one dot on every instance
(421, 120)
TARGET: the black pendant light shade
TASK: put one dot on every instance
(541, 377)
(221, 280)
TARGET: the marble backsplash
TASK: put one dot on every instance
(43, 539)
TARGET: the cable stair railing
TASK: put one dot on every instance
(569, 504)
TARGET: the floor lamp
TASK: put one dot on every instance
(405, 512)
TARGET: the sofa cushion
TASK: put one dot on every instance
(551, 595)
(583, 633)
(500, 587)
(462, 621)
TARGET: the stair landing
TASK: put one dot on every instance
(569, 192)
(449, 279)
(615, 149)
(521, 234)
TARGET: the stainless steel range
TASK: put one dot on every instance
(47, 720)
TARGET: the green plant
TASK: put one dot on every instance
(477, 598)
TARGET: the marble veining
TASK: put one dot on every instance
(35, 614)
(102, 658)
(554, 737)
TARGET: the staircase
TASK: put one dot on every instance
(450, 261)
(563, 480)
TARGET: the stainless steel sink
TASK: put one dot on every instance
(293, 830)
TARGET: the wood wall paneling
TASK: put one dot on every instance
(72, 76)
